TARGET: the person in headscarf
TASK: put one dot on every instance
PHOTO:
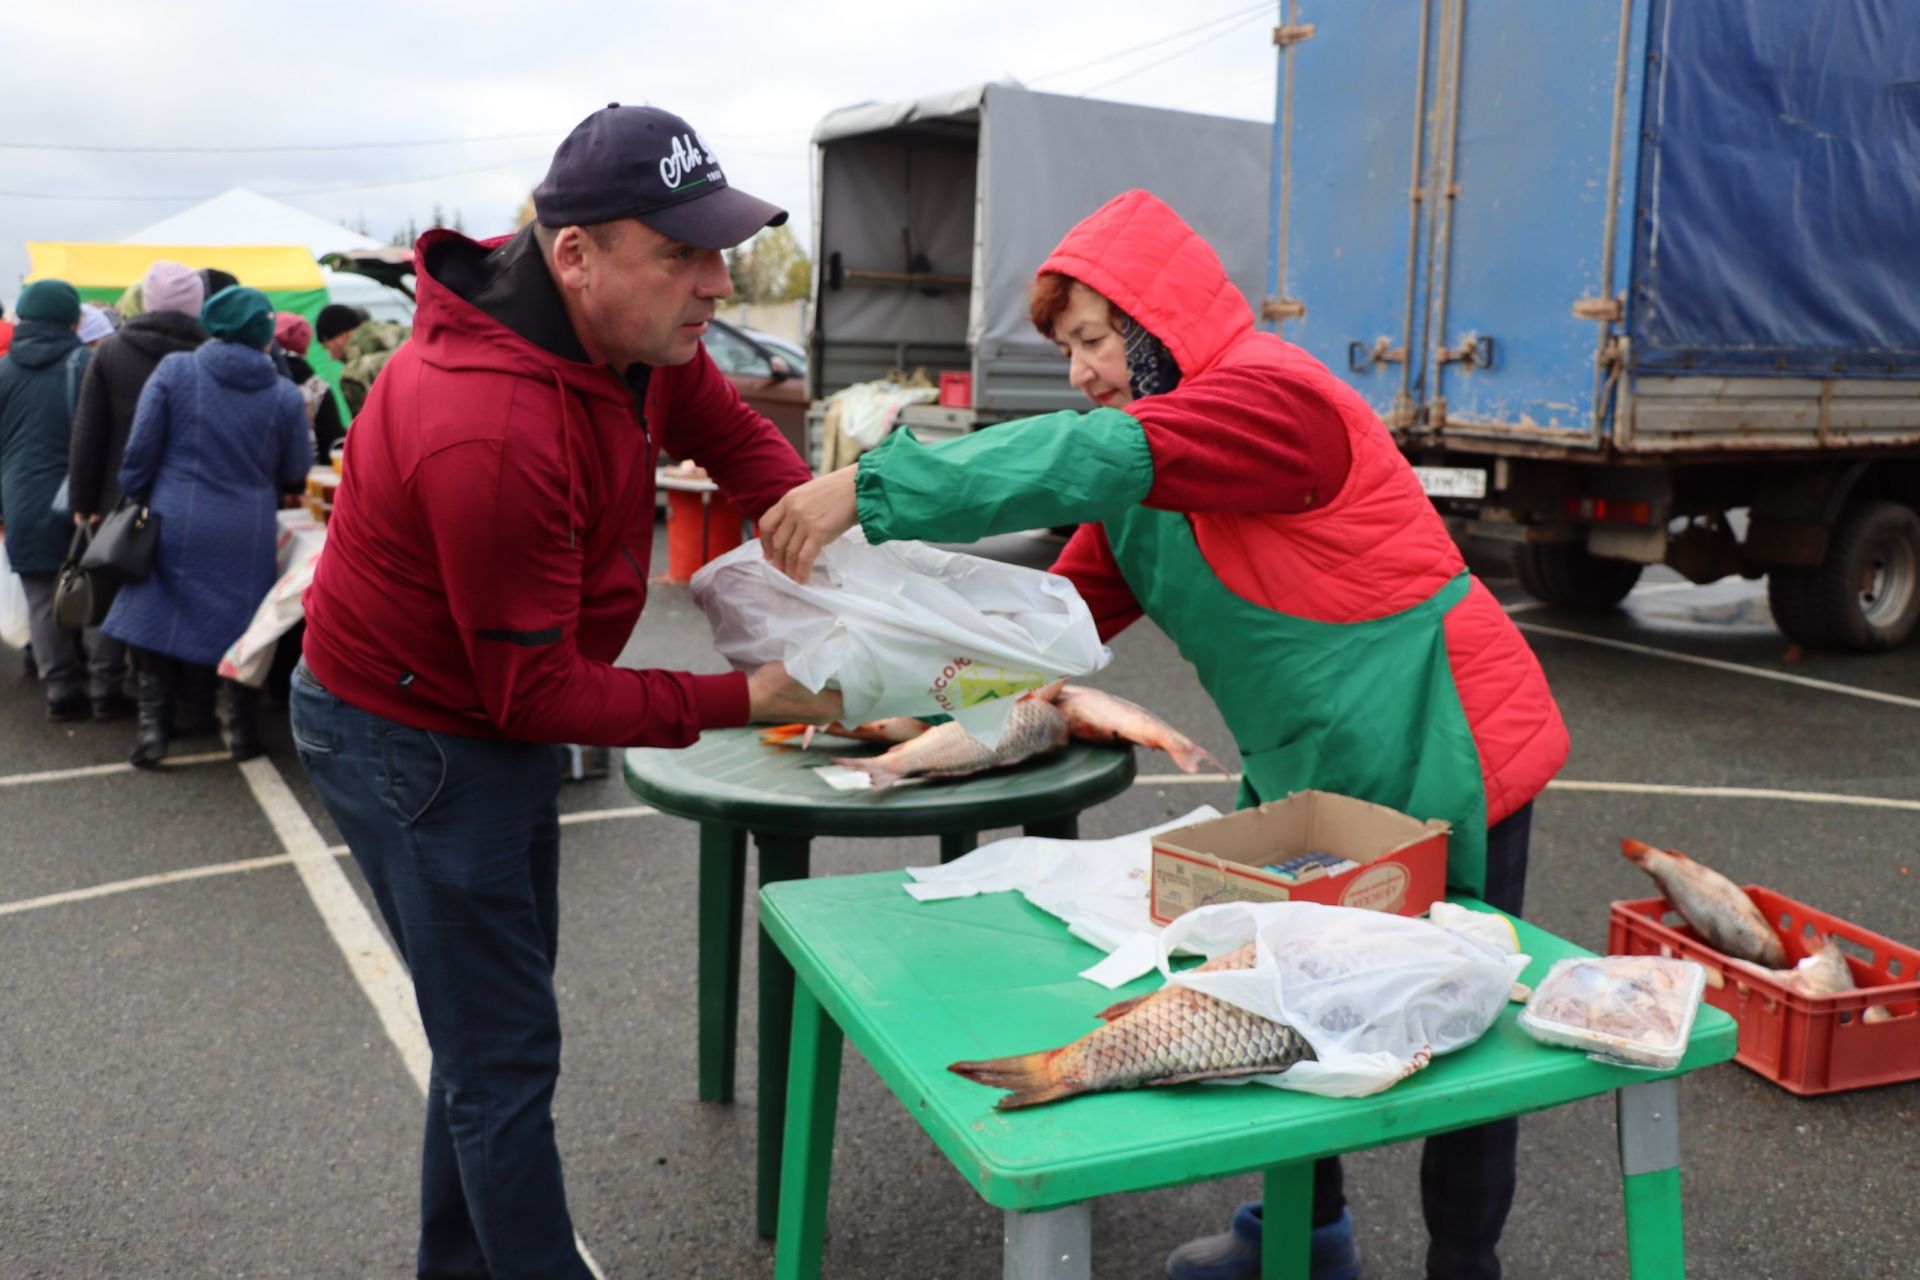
(1232, 489)
(216, 435)
(37, 379)
(294, 336)
(95, 325)
(168, 322)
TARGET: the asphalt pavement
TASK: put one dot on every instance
(196, 1082)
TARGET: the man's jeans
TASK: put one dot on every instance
(459, 838)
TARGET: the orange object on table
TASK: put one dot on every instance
(701, 523)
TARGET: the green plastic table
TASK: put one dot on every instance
(732, 784)
(916, 986)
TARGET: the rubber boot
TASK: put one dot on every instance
(195, 694)
(1234, 1254)
(157, 684)
(243, 721)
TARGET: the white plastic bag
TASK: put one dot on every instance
(298, 546)
(13, 604)
(903, 629)
(1377, 995)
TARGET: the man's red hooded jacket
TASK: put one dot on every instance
(487, 554)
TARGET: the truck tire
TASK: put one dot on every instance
(1566, 573)
(1865, 597)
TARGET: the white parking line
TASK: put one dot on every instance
(143, 882)
(1162, 779)
(374, 964)
(105, 770)
(1717, 664)
(1528, 606)
(1736, 793)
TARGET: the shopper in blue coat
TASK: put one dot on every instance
(217, 435)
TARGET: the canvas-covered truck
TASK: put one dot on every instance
(1633, 281)
(931, 216)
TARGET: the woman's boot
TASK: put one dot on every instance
(195, 688)
(158, 678)
(243, 721)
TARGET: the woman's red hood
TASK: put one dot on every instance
(1141, 256)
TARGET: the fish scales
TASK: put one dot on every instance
(1718, 909)
(1034, 728)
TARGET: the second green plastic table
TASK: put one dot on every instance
(732, 784)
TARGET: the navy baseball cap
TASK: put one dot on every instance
(645, 163)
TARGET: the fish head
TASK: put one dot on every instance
(1636, 851)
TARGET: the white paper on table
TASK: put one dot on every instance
(1100, 888)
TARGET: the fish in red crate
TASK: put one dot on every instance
(1825, 973)
(1718, 909)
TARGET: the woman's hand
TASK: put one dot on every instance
(807, 519)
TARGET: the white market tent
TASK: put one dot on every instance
(241, 216)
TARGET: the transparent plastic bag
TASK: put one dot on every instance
(1377, 995)
(903, 629)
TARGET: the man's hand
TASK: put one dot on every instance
(807, 519)
(774, 697)
(81, 519)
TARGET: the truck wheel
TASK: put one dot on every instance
(1566, 573)
(1865, 597)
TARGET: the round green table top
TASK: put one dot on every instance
(730, 776)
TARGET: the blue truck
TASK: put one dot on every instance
(1632, 281)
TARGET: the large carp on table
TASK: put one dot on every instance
(1172, 1036)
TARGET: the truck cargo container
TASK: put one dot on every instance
(1633, 281)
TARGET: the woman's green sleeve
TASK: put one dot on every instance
(1034, 473)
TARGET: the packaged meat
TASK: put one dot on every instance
(1634, 1010)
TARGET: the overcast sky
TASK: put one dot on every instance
(752, 77)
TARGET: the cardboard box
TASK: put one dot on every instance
(1403, 860)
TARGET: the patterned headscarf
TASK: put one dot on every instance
(1150, 367)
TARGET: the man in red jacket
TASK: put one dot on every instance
(486, 562)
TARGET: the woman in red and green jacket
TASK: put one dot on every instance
(1233, 490)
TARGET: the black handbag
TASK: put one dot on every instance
(81, 597)
(123, 545)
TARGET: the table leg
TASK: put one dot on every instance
(723, 869)
(1286, 1221)
(955, 843)
(813, 1097)
(1063, 828)
(781, 858)
(1056, 1245)
(1649, 1124)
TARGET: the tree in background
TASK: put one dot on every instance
(771, 267)
(524, 214)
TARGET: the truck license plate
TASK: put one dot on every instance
(1452, 482)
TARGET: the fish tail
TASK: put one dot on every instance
(780, 735)
(882, 774)
(1029, 1078)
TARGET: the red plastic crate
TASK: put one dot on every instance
(956, 389)
(1807, 1044)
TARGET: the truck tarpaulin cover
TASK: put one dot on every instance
(1779, 205)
